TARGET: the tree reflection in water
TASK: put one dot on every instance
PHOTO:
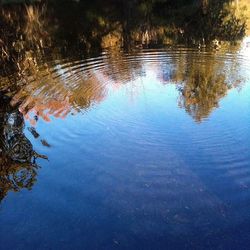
(205, 81)
(40, 81)
(18, 168)
(48, 89)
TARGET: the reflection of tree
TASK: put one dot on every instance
(17, 168)
(57, 90)
(48, 90)
(32, 32)
(122, 68)
(216, 19)
(201, 93)
(15, 176)
(93, 25)
(202, 78)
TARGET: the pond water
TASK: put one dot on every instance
(145, 150)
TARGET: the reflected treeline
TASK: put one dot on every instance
(17, 163)
(37, 81)
(47, 89)
(93, 25)
(36, 38)
(61, 87)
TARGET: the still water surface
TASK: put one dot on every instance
(146, 150)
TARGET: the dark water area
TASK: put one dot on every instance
(109, 145)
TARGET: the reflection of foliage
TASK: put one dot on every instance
(55, 90)
(215, 20)
(203, 80)
(15, 176)
(31, 33)
(202, 93)
(22, 29)
(120, 70)
(91, 25)
(17, 168)
(35, 26)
